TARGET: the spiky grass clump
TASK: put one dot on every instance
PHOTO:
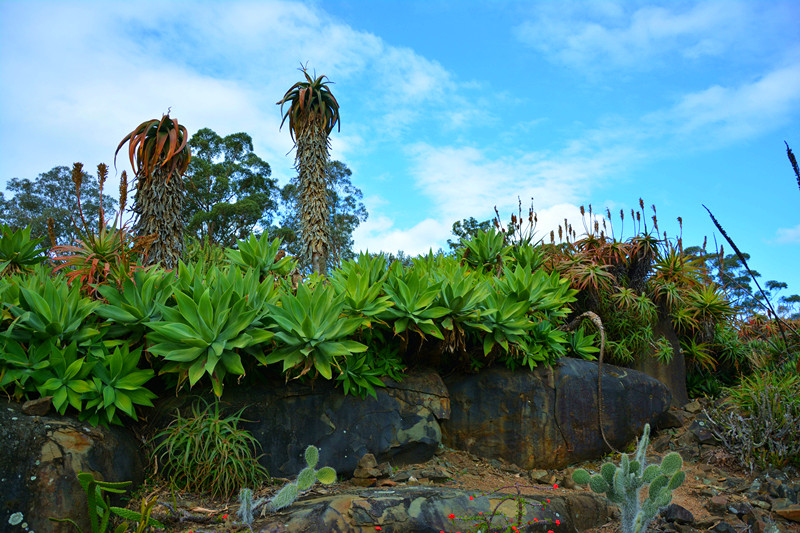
(208, 453)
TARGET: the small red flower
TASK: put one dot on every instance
(471, 498)
(555, 485)
(535, 519)
(451, 516)
(548, 500)
(377, 528)
(558, 522)
(549, 531)
(224, 517)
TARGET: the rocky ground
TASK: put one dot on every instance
(718, 495)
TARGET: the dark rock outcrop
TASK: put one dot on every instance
(548, 418)
(40, 457)
(400, 426)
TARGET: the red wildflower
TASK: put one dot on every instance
(451, 516)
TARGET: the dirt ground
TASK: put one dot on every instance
(472, 473)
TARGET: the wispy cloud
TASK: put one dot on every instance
(95, 71)
(788, 235)
(741, 111)
(609, 35)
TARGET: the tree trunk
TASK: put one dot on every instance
(158, 206)
(311, 161)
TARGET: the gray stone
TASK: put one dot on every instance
(676, 513)
(426, 509)
(701, 432)
(724, 527)
(548, 418)
(40, 458)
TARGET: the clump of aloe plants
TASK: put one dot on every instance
(623, 484)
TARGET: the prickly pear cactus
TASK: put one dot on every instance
(622, 484)
(305, 479)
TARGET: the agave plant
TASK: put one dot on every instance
(24, 371)
(135, 304)
(310, 331)
(413, 295)
(47, 308)
(18, 252)
(505, 321)
(116, 383)
(360, 282)
(462, 294)
(486, 251)
(204, 333)
(159, 154)
(313, 113)
(264, 256)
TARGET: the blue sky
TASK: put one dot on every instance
(449, 108)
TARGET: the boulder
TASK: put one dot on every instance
(400, 426)
(423, 509)
(548, 418)
(40, 457)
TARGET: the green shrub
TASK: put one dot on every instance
(208, 453)
(760, 422)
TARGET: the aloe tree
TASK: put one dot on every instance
(159, 154)
(313, 112)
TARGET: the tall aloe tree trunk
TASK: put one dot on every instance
(311, 162)
(158, 206)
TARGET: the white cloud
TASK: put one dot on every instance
(788, 235)
(732, 113)
(379, 234)
(89, 73)
(602, 35)
(466, 181)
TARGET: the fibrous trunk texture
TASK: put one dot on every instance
(311, 161)
(158, 207)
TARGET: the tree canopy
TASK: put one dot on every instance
(52, 194)
(229, 190)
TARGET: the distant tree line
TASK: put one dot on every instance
(230, 193)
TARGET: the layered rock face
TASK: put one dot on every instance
(39, 459)
(550, 417)
(544, 419)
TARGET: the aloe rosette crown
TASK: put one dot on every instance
(159, 155)
(622, 484)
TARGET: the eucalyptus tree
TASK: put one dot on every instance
(51, 195)
(159, 154)
(313, 113)
(229, 189)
